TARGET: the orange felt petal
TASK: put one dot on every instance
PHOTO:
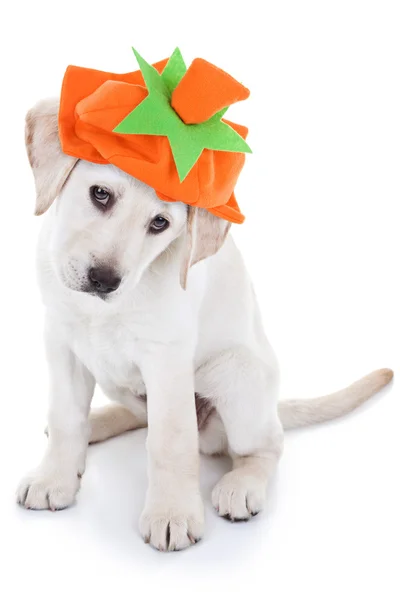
(204, 90)
(78, 83)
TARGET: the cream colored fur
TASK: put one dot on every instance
(113, 419)
(184, 320)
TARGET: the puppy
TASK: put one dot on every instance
(151, 301)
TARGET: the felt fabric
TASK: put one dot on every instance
(155, 116)
(204, 91)
(94, 106)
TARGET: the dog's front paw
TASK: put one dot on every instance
(48, 488)
(238, 496)
(173, 525)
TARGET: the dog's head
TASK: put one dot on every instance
(107, 226)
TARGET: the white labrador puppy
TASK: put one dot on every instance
(126, 309)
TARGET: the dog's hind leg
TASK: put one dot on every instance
(113, 419)
(244, 390)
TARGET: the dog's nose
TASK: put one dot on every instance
(104, 279)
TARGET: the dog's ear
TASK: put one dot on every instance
(50, 166)
(205, 235)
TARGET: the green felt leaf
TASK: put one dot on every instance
(155, 116)
(154, 82)
(174, 70)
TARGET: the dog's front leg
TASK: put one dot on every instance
(173, 517)
(55, 482)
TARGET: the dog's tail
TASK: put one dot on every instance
(297, 413)
(114, 419)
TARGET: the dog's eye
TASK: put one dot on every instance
(99, 195)
(158, 225)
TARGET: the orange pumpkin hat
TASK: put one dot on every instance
(162, 125)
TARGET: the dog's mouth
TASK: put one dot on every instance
(87, 288)
(105, 297)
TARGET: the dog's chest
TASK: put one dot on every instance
(110, 353)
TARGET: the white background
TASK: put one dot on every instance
(321, 240)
